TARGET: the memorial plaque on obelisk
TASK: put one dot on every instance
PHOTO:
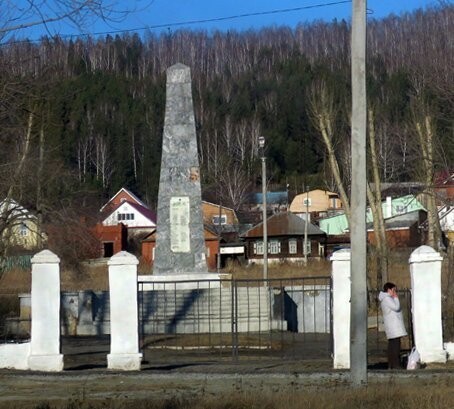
(180, 243)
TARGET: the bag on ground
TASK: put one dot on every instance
(413, 359)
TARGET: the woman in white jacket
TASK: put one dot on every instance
(394, 323)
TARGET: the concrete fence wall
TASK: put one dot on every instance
(425, 272)
(42, 353)
(82, 312)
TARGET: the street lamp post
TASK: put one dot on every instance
(305, 225)
(265, 227)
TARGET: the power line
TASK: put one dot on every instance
(192, 22)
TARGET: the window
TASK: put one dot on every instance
(400, 209)
(307, 201)
(223, 219)
(274, 247)
(23, 229)
(308, 247)
(125, 216)
(292, 246)
(258, 247)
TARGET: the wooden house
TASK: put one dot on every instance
(285, 235)
(19, 226)
(317, 202)
(217, 215)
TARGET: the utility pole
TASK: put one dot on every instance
(265, 224)
(218, 260)
(358, 330)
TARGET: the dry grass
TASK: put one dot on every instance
(415, 394)
(89, 277)
(95, 276)
(399, 271)
(314, 268)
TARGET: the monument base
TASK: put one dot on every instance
(124, 362)
(187, 281)
(46, 363)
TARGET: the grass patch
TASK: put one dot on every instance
(391, 395)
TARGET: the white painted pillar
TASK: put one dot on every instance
(340, 274)
(45, 313)
(124, 328)
(425, 271)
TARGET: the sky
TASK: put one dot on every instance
(170, 15)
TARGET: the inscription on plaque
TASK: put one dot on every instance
(179, 225)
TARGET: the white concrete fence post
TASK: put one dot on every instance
(340, 274)
(124, 329)
(425, 271)
(45, 313)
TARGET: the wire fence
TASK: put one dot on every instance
(215, 321)
(239, 319)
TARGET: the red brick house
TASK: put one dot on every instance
(124, 221)
(211, 243)
(123, 195)
(402, 231)
(112, 239)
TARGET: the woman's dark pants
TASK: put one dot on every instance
(394, 353)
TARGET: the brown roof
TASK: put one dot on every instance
(284, 224)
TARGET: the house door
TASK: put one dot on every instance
(108, 249)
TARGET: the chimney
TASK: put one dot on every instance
(389, 207)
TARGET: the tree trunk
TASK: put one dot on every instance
(425, 134)
(325, 128)
(376, 207)
(39, 205)
(23, 158)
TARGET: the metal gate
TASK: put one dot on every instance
(200, 320)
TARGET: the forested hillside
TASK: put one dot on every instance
(81, 118)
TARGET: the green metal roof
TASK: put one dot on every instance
(336, 225)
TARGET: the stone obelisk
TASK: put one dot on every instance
(180, 243)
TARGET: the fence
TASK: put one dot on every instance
(284, 318)
(8, 263)
(9, 308)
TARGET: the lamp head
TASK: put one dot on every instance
(261, 142)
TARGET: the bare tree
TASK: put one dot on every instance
(375, 202)
(20, 15)
(234, 184)
(324, 116)
(424, 125)
(102, 160)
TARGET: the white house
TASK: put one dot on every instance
(131, 215)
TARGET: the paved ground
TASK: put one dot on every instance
(302, 355)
